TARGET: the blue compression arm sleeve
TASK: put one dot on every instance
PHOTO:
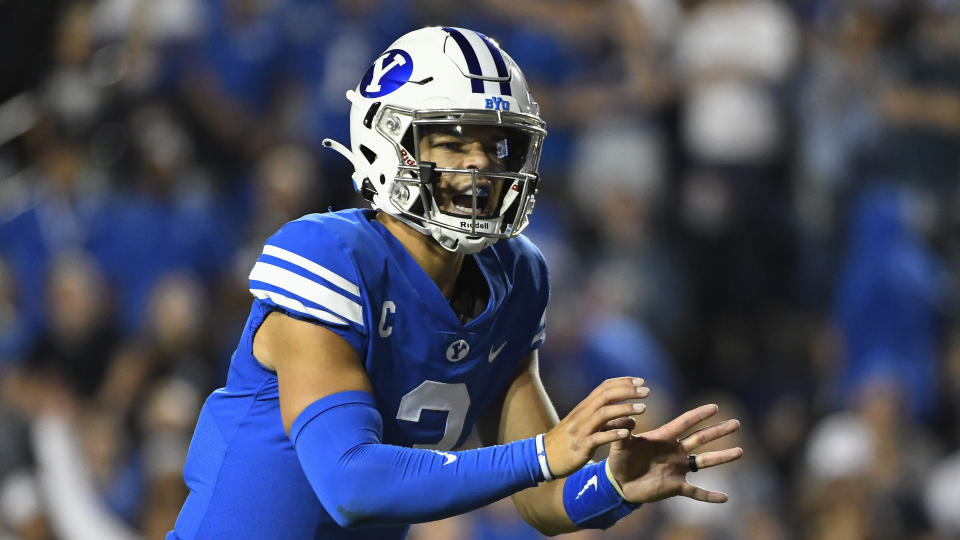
(361, 481)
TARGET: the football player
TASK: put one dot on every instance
(379, 338)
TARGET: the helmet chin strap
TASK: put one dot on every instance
(448, 243)
(456, 239)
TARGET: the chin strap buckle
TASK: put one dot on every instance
(428, 172)
(367, 191)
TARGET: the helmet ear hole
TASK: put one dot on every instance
(368, 153)
(368, 118)
(367, 191)
(383, 179)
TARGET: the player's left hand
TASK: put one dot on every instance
(653, 465)
(570, 443)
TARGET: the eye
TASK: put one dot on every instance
(452, 146)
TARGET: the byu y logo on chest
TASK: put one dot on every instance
(458, 350)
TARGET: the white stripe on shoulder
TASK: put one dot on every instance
(296, 305)
(313, 267)
(312, 291)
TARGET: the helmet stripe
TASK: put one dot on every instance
(498, 60)
(473, 63)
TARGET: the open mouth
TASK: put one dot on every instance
(464, 202)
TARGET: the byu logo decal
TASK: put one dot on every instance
(389, 72)
(497, 103)
(458, 350)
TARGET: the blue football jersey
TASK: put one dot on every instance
(432, 376)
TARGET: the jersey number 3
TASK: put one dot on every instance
(437, 396)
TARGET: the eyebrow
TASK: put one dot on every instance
(493, 138)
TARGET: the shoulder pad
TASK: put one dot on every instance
(306, 269)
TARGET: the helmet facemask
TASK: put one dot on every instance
(465, 208)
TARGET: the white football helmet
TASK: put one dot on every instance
(445, 79)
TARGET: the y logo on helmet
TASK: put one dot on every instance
(497, 103)
(388, 72)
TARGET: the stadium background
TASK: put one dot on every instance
(747, 201)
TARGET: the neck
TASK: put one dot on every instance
(441, 265)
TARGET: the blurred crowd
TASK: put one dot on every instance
(749, 202)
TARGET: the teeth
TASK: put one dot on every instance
(481, 192)
(466, 197)
(469, 210)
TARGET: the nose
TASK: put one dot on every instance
(476, 157)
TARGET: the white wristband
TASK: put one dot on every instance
(542, 458)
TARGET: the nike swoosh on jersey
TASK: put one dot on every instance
(591, 482)
(494, 353)
(450, 457)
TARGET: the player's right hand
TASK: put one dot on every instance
(570, 444)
